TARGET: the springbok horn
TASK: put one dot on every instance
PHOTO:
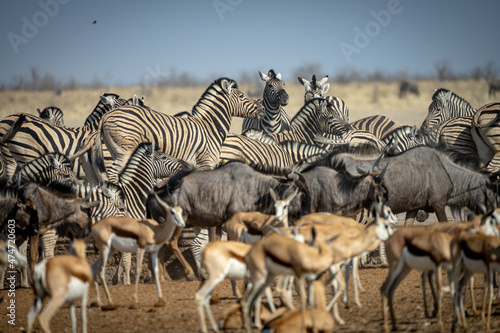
(162, 203)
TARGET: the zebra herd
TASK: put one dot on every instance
(125, 152)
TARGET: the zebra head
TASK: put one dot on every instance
(402, 139)
(165, 166)
(238, 104)
(439, 110)
(333, 116)
(52, 114)
(274, 91)
(314, 88)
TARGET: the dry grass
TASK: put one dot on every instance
(363, 99)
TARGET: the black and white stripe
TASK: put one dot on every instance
(196, 139)
(274, 98)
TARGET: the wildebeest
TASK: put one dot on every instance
(209, 198)
(408, 87)
(494, 86)
(36, 210)
(421, 178)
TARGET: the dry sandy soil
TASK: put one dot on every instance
(180, 314)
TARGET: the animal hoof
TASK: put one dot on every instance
(108, 307)
(422, 216)
(133, 306)
(160, 303)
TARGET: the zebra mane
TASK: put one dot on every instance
(101, 108)
(129, 172)
(438, 93)
(302, 115)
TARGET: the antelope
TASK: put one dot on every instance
(473, 253)
(243, 226)
(127, 234)
(64, 279)
(331, 219)
(289, 322)
(224, 259)
(279, 254)
(414, 248)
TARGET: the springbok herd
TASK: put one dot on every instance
(298, 199)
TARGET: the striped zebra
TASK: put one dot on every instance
(486, 134)
(274, 99)
(196, 139)
(36, 138)
(53, 115)
(310, 120)
(353, 138)
(314, 88)
(454, 135)
(445, 105)
(265, 157)
(44, 170)
(378, 125)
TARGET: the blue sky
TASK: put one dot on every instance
(141, 40)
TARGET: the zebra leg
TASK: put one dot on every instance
(48, 240)
(197, 245)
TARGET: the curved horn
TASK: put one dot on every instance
(380, 177)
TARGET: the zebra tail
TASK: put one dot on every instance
(9, 135)
(99, 156)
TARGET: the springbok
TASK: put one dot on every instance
(65, 279)
(127, 234)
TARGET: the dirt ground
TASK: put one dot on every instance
(180, 314)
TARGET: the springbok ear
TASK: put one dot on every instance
(325, 87)
(273, 194)
(278, 76)
(227, 86)
(263, 76)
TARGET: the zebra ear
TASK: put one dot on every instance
(447, 96)
(107, 101)
(325, 87)
(263, 76)
(227, 86)
(55, 163)
(305, 83)
(323, 80)
(278, 76)
(39, 111)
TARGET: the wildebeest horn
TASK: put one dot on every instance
(381, 175)
(481, 207)
(377, 162)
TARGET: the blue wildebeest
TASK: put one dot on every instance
(408, 87)
(420, 178)
(209, 198)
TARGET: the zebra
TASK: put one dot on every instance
(485, 132)
(454, 135)
(274, 99)
(265, 157)
(314, 88)
(353, 138)
(36, 137)
(44, 170)
(445, 105)
(196, 139)
(53, 115)
(310, 120)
